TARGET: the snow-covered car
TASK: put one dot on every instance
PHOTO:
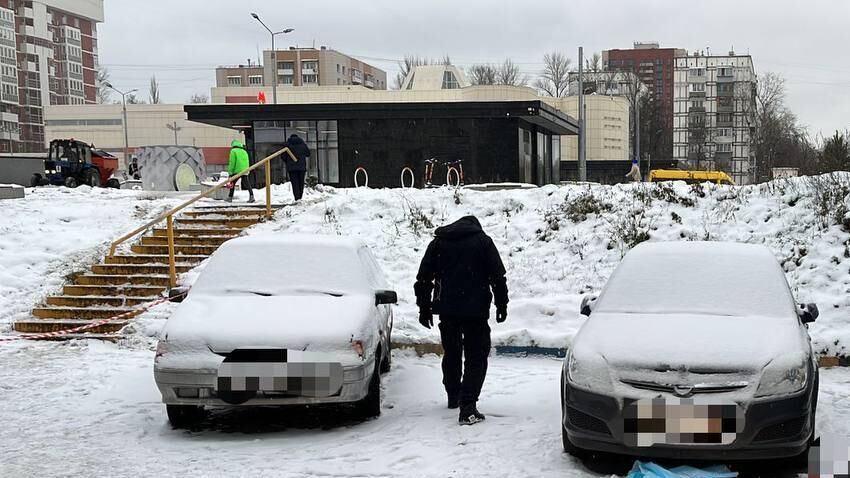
(692, 351)
(278, 320)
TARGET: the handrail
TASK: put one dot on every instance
(168, 215)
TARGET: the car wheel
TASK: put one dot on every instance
(184, 416)
(70, 182)
(35, 181)
(370, 406)
(386, 363)
(113, 183)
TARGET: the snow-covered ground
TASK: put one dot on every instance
(93, 410)
(56, 232)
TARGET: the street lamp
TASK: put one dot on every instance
(124, 105)
(173, 127)
(274, 53)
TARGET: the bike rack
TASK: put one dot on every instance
(365, 184)
(449, 177)
(412, 178)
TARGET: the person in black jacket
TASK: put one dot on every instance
(460, 267)
(297, 169)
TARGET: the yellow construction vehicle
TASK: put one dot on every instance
(690, 177)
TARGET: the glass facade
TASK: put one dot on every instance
(320, 136)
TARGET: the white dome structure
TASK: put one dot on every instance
(435, 77)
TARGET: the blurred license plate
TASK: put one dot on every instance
(308, 379)
(661, 421)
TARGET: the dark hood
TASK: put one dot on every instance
(295, 140)
(463, 227)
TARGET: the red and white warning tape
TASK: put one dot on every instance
(60, 333)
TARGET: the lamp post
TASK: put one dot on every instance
(173, 127)
(124, 106)
(274, 54)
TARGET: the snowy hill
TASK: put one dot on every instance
(557, 242)
(561, 242)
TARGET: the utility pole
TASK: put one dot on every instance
(173, 127)
(274, 54)
(124, 107)
(582, 162)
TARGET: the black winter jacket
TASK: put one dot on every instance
(460, 267)
(301, 151)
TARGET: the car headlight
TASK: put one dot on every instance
(589, 373)
(782, 380)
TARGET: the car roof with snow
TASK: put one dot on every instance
(710, 278)
(291, 263)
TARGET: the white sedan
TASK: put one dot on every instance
(278, 320)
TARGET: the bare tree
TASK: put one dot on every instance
(132, 99)
(594, 63)
(555, 78)
(483, 75)
(633, 90)
(104, 94)
(199, 98)
(508, 74)
(154, 91)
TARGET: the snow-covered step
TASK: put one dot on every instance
(198, 231)
(138, 269)
(113, 290)
(231, 223)
(178, 249)
(153, 259)
(82, 313)
(186, 240)
(241, 212)
(102, 279)
(98, 300)
(44, 326)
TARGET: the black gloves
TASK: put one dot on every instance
(501, 314)
(426, 318)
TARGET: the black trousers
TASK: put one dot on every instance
(246, 186)
(297, 180)
(466, 346)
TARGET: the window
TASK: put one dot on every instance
(698, 87)
(343, 69)
(337, 67)
(310, 79)
(255, 80)
(724, 118)
(285, 65)
(725, 71)
(310, 66)
(697, 104)
(285, 79)
(697, 71)
(234, 81)
(449, 81)
(724, 87)
(724, 132)
(724, 148)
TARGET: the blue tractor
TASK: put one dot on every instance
(71, 163)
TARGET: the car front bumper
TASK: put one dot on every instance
(772, 428)
(354, 388)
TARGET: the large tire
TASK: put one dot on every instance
(184, 416)
(35, 181)
(387, 362)
(113, 183)
(92, 177)
(70, 182)
(370, 407)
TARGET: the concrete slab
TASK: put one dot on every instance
(8, 191)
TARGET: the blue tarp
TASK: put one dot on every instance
(651, 470)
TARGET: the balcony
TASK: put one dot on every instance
(7, 98)
(309, 71)
(369, 83)
(286, 71)
(696, 109)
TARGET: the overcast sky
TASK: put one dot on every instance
(181, 41)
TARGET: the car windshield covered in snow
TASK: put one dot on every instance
(698, 278)
(296, 265)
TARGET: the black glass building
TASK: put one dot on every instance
(504, 141)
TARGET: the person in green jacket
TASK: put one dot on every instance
(239, 161)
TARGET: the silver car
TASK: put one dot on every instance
(278, 320)
(692, 351)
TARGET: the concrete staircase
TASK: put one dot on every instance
(124, 282)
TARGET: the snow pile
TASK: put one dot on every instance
(560, 242)
(57, 232)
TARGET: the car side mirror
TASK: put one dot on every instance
(177, 294)
(386, 297)
(808, 313)
(587, 304)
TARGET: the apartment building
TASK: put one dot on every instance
(48, 56)
(303, 67)
(654, 66)
(714, 112)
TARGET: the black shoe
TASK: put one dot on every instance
(454, 402)
(470, 416)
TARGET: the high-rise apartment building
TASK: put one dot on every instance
(48, 56)
(303, 67)
(654, 67)
(714, 112)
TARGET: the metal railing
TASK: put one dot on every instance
(168, 216)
